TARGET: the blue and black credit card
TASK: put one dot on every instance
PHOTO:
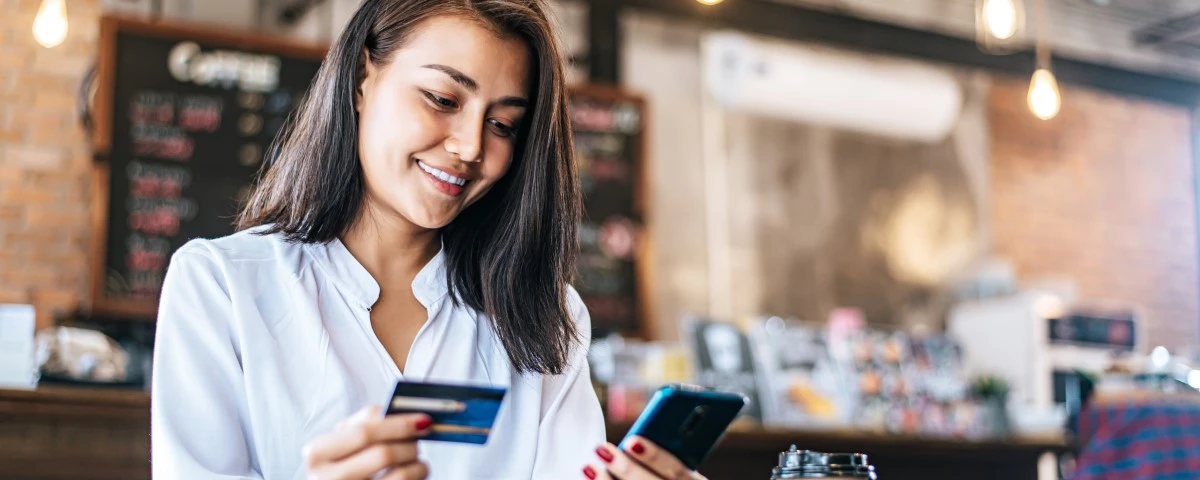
(463, 414)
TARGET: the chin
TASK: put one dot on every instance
(432, 221)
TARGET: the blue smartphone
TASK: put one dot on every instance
(686, 421)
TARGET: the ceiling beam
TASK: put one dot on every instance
(792, 22)
(1171, 31)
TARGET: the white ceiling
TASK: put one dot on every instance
(1099, 31)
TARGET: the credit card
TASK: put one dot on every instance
(462, 414)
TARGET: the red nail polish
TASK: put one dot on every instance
(604, 454)
(637, 448)
(424, 423)
(588, 472)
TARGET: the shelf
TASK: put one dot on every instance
(757, 439)
(98, 404)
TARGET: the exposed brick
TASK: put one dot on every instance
(38, 122)
(54, 100)
(56, 84)
(31, 275)
(11, 213)
(58, 257)
(57, 298)
(13, 136)
(37, 158)
(48, 217)
(14, 295)
(50, 62)
(11, 176)
(1103, 194)
(63, 181)
(23, 194)
(44, 160)
(14, 59)
(43, 134)
(14, 99)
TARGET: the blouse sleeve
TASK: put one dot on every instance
(198, 401)
(572, 425)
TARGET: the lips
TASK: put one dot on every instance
(444, 181)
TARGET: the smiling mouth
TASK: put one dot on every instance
(444, 181)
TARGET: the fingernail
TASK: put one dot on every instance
(589, 472)
(424, 423)
(637, 448)
(604, 454)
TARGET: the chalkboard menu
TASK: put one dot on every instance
(184, 116)
(608, 148)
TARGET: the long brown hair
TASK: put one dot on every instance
(509, 255)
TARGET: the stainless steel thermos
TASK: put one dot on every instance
(802, 464)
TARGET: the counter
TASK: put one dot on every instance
(76, 433)
(749, 453)
(99, 434)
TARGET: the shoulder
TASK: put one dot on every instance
(250, 251)
(579, 312)
(246, 245)
(583, 323)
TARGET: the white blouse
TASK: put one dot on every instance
(263, 344)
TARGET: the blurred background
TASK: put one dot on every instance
(959, 236)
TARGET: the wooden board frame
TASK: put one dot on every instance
(643, 272)
(103, 112)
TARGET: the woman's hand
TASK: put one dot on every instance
(643, 461)
(368, 445)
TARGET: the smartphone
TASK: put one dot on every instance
(686, 421)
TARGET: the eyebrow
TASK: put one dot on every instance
(470, 84)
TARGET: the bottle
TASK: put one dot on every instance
(801, 464)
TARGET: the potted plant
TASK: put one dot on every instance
(991, 392)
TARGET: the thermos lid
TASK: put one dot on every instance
(809, 464)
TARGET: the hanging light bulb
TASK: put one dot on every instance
(998, 24)
(1044, 99)
(50, 25)
(710, 2)
(1000, 18)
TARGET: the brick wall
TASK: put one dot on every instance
(1105, 194)
(44, 160)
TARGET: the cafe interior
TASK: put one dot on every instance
(956, 237)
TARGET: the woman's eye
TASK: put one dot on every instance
(502, 129)
(441, 102)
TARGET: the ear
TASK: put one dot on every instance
(366, 71)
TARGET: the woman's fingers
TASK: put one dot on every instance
(620, 465)
(595, 471)
(412, 471)
(360, 431)
(658, 460)
(400, 456)
(643, 460)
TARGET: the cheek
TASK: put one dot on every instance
(499, 158)
(390, 130)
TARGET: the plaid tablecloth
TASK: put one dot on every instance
(1146, 438)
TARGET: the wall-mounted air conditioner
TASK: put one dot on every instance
(878, 95)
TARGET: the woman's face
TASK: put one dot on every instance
(438, 123)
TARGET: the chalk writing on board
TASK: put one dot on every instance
(166, 142)
(226, 69)
(607, 132)
(200, 113)
(622, 117)
(190, 122)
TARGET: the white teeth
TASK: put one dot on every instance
(443, 176)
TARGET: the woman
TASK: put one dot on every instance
(416, 220)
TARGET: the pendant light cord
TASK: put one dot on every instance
(1042, 45)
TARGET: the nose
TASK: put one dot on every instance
(466, 139)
